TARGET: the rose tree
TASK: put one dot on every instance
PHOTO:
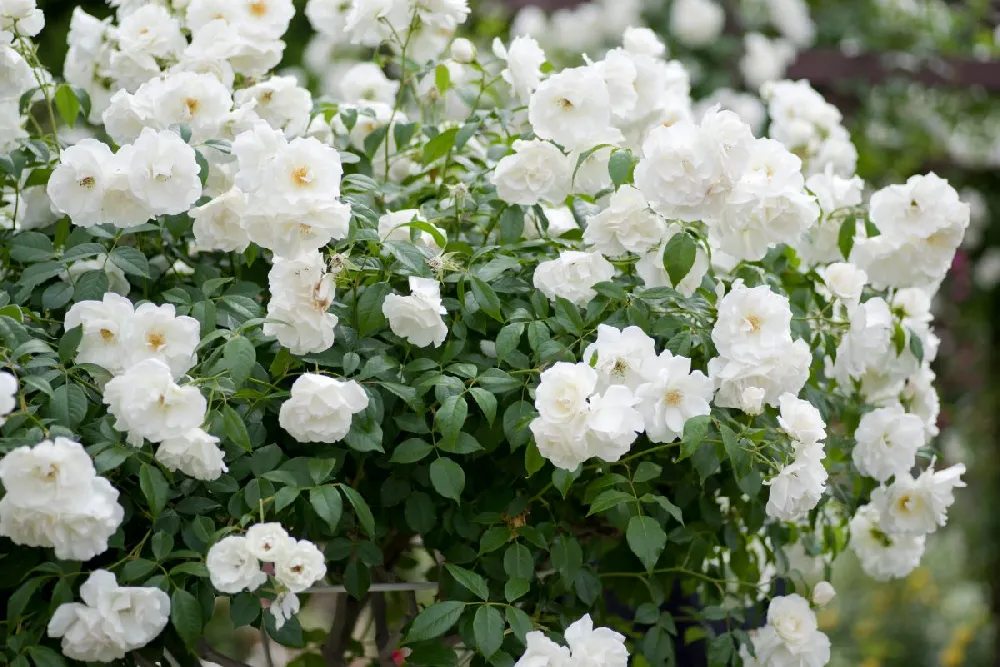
(588, 351)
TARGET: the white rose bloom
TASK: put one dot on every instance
(573, 275)
(104, 326)
(536, 171)
(564, 443)
(563, 390)
(111, 621)
(914, 507)
(791, 18)
(791, 637)
(268, 542)
(301, 293)
(220, 41)
(8, 395)
(751, 320)
(369, 23)
(280, 102)
(845, 281)
(628, 225)
(463, 51)
(620, 356)
(798, 487)
(76, 186)
(16, 77)
(284, 607)
(365, 82)
(764, 59)
(673, 394)
(573, 109)
(868, 342)
(823, 594)
(53, 472)
(748, 107)
(217, 223)
(613, 423)
(147, 403)
(524, 58)
(391, 227)
(300, 566)
(775, 371)
(801, 420)
(887, 442)
(21, 15)
(156, 332)
(417, 318)
(328, 18)
(320, 408)
(921, 398)
(163, 172)
(232, 567)
(195, 453)
(696, 22)
(653, 274)
(643, 42)
(541, 651)
(882, 556)
(595, 647)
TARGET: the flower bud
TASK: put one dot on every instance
(463, 51)
(752, 400)
(823, 593)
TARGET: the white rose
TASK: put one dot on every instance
(231, 566)
(8, 395)
(613, 423)
(673, 395)
(914, 507)
(156, 332)
(524, 59)
(104, 326)
(147, 403)
(280, 102)
(563, 443)
(628, 225)
(195, 453)
(537, 171)
(801, 420)
(268, 542)
(643, 42)
(541, 651)
(751, 321)
(563, 390)
(595, 647)
(417, 318)
(300, 566)
(798, 487)
(320, 408)
(752, 400)
(887, 442)
(217, 223)
(284, 607)
(775, 371)
(696, 22)
(76, 186)
(463, 51)
(163, 172)
(573, 275)
(845, 281)
(621, 356)
(882, 556)
(823, 594)
(764, 59)
(573, 109)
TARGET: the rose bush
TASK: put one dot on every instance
(588, 348)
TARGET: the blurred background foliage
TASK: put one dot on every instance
(945, 613)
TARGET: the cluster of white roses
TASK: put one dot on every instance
(235, 563)
(597, 647)
(798, 486)
(148, 349)
(599, 408)
(111, 621)
(54, 498)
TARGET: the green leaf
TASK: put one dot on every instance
(487, 628)
(695, 430)
(163, 544)
(83, 251)
(533, 459)
(519, 622)
(328, 504)
(130, 261)
(620, 167)
(671, 509)
(43, 656)
(31, 247)
(239, 356)
(66, 104)
(916, 347)
(487, 299)
(185, 614)
(244, 609)
(361, 510)
(57, 295)
(678, 256)
(567, 557)
(203, 167)
(419, 512)
(403, 132)
(470, 580)
(515, 588)
(646, 540)
(442, 78)
(646, 471)
(20, 599)
(410, 451)
(899, 338)
(68, 405)
(154, 488)
(516, 418)
(609, 499)
(466, 132)
(137, 569)
(370, 317)
(486, 401)
(511, 224)
(508, 339)
(36, 274)
(374, 140)
(435, 620)
(234, 428)
(285, 497)
(734, 450)
(845, 237)
(439, 145)
(518, 563)
(448, 478)
(493, 539)
(451, 416)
